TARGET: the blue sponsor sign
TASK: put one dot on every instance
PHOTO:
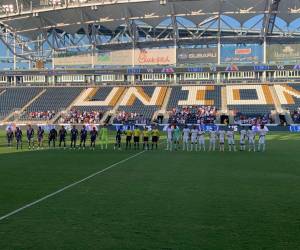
(134, 71)
(261, 67)
(295, 128)
(194, 69)
(252, 53)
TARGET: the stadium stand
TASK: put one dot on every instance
(75, 116)
(98, 101)
(101, 94)
(139, 104)
(193, 115)
(51, 102)
(16, 98)
(95, 103)
(194, 104)
(189, 104)
(256, 104)
(206, 95)
(289, 96)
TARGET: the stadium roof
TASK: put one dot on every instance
(31, 18)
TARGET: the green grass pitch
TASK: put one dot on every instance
(157, 200)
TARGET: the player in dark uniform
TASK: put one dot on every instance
(40, 137)
(30, 137)
(62, 136)
(74, 136)
(18, 136)
(10, 137)
(118, 139)
(128, 133)
(52, 137)
(83, 135)
(93, 134)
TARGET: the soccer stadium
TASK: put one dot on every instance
(149, 124)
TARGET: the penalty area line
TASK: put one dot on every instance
(68, 187)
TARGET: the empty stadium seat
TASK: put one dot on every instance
(212, 96)
(54, 99)
(251, 98)
(16, 98)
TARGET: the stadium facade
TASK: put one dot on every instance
(211, 44)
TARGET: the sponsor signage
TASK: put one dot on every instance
(138, 57)
(295, 128)
(283, 52)
(197, 56)
(112, 58)
(261, 67)
(232, 68)
(73, 59)
(252, 53)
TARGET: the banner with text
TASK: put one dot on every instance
(138, 57)
(252, 53)
(197, 55)
(283, 52)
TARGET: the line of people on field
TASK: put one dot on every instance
(135, 136)
(60, 135)
(194, 138)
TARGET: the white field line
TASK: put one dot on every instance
(68, 187)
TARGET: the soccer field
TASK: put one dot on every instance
(152, 199)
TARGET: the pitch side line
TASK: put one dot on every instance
(68, 187)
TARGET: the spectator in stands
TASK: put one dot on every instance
(80, 117)
(193, 115)
(253, 119)
(46, 115)
(130, 117)
(296, 115)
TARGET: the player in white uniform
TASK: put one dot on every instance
(243, 137)
(170, 131)
(201, 139)
(230, 140)
(186, 138)
(222, 140)
(194, 133)
(212, 140)
(176, 137)
(262, 132)
(251, 138)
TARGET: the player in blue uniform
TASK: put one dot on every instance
(74, 136)
(30, 137)
(62, 136)
(18, 136)
(118, 139)
(10, 137)
(40, 137)
(83, 135)
(93, 134)
(52, 137)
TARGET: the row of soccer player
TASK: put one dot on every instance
(191, 138)
(54, 135)
(194, 139)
